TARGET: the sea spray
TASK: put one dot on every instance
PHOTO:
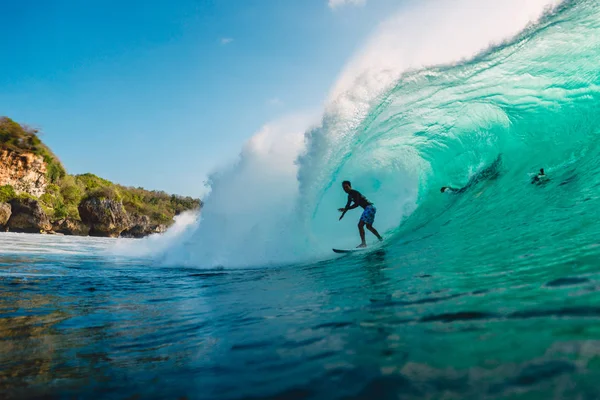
(182, 229)
(249, 211)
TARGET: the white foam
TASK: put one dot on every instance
(22, 243)
(185, 224)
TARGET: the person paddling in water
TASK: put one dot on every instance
(540, 178)
(368, 215)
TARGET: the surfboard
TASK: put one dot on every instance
(356, 250)
(371, 247)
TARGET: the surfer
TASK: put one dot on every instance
(368, 216)
(540, 178)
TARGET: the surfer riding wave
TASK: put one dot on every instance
(368, 216)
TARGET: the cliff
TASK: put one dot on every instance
(25, 172)
(105, 217)
(37, 195)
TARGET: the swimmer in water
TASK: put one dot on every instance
(539, 178)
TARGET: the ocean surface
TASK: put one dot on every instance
(493, 292)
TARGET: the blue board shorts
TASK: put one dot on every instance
(368, 215)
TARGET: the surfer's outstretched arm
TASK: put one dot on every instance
(343, 210)
(346, 208)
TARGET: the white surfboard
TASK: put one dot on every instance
(371, 247)
(355, 250)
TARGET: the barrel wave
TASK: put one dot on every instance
(520, 85)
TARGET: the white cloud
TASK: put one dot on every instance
(333, 4)
(274, 102)
(226, 40)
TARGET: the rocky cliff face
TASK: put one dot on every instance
(5, 212)
(68, 226)
(25, 172)
(104, 216)
(140, 226)
(28, 216)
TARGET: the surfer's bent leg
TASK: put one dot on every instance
(370, 227)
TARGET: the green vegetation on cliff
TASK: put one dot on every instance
(7, 193)
(20, 139)
(159, 206)
(64, 192)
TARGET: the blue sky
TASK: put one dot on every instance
(156, 93)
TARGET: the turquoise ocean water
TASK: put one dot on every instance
(491, 293)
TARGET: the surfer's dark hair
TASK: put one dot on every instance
(346, 182)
